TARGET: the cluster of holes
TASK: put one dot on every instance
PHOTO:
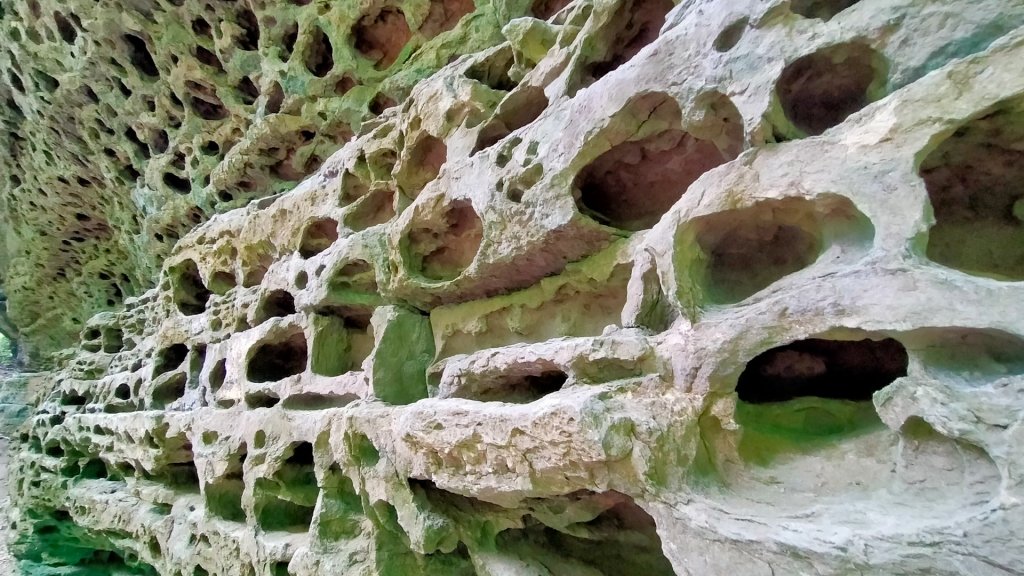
(141, 85)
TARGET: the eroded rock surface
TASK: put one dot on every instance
(129, 122)
(716, 288)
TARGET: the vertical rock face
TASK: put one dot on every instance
(635, 288)
(129, 122)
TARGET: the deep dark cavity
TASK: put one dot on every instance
(821, 9)
(820, 90)
(319, 53)
(189, 293)
(276, 304)
(278, 359)
(836, 369)
(170, 358)
(138, 53)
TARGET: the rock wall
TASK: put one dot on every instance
(129, 122)
(717, 288)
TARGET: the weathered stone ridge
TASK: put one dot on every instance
(716, 288)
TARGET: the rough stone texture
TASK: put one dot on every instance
(725, 288)
(18, 393)
(128, 122)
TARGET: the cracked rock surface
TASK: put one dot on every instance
(618, 287)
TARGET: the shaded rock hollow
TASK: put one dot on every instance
(509, 288)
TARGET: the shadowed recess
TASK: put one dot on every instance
(975, 182)
(837, 369)
(633, 184)
(278, 358)
(442, 247)
(820, 90)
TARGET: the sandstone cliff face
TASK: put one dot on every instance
(716, 288)
(129, 122)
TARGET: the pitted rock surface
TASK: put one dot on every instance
(129, 122)
(715, 288)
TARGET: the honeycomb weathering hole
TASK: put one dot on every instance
(141, 59)
(375, 208)
(318, 236)
(169, 390)
(319, 57)
(442, 248)
(517, 110)
(444, 15)
(621, 539)
(978, 354)
(224, 499)
(286, 501)
(334, 343)
(731, 35)
(975, 181)
(523, 388)
(276, 304)
(170, 358)
(634, 32)
(835, 369)
(278, 358)
(188, 291)
(380, 36)
(820, 90)
(632, 185)
(740, 252)
(224, 495)
(823, 9)
(545, 9)
(423, 164)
